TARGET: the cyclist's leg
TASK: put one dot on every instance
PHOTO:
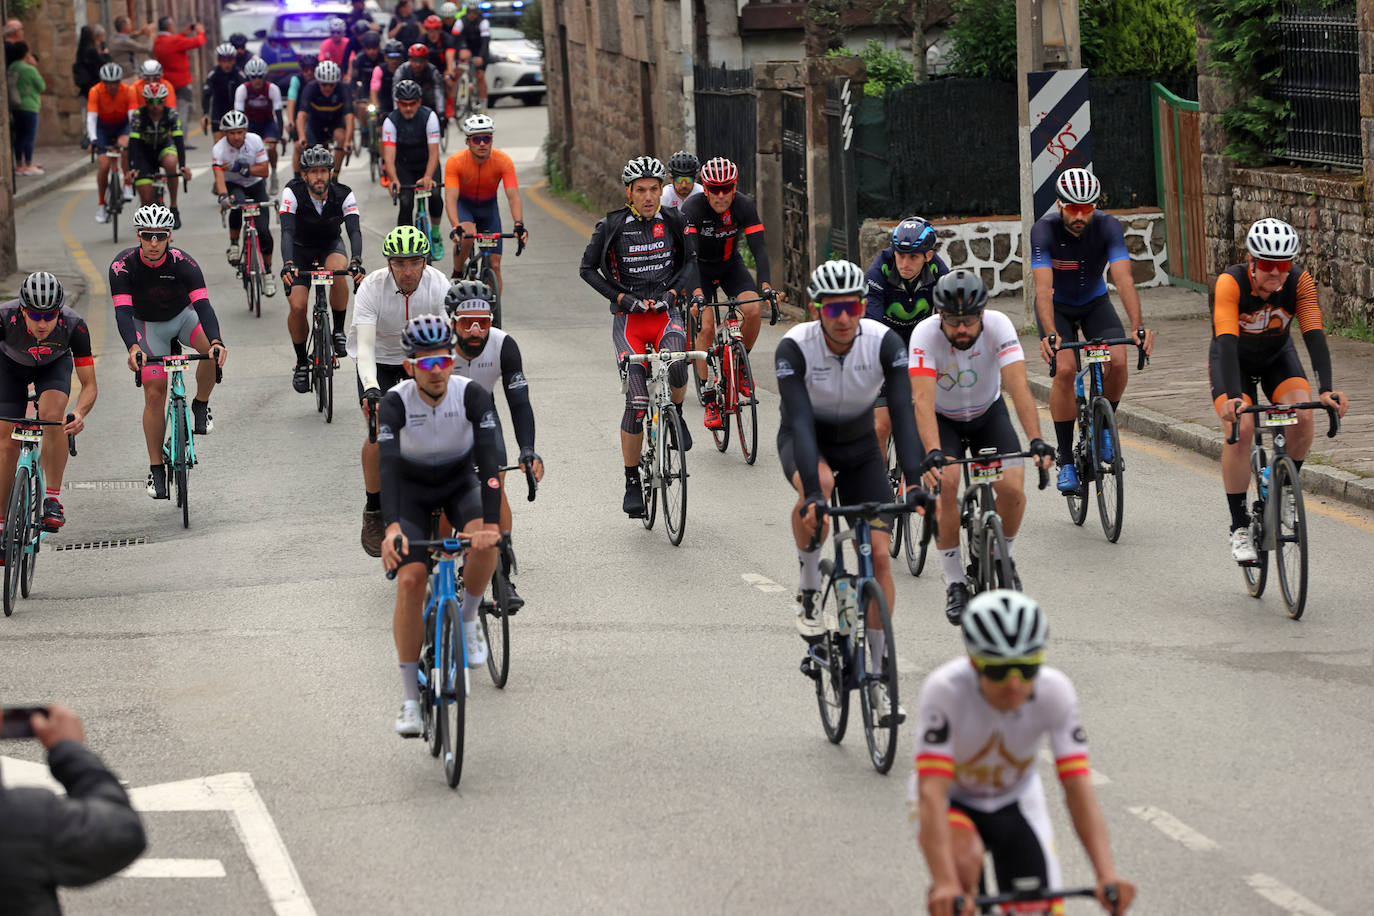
(706, 317)
(863, 478)
(239, 194)
(1235, 456)
(102, 171)
(628, 336)
(1099, 319)
(407, 626)
(739, 285)
(388, 377)
(994, 430)
(478, 564)
(143, 184)
(338, 293)
(467, 223)
(488, 219)
(966, 845)
(53, 383)
(1285, 382)
(298, 302)
(155, 339)
(14, 393)
(1063, 408)
(882, 421)
(947, 509)
(405, 179)
(341, 139)
(479, 64)
(168, 159)
(810, 559)
(263, 222)
(1021, 840)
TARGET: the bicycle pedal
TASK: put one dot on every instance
(811, 668)
(891, 719)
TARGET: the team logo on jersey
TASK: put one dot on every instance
(119, 267)
(938, 733)
(658, 230)
(40, 350)
(493, 482)
(1270, 319)
(1079, 735)
(954, 377)
(783, 369)
(993, 767)
(384, 434)
(488, 420)
(517, 380)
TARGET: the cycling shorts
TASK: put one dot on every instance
(1097, 318)
(15, 380)
(322, 134)
(267, 130)
(473, 43)
(459, 499)
(1020, 839)
(107, 135)
(155, 337)
(163, 153)
(643, 329)
(1279, 374)
(858, 466)
(731, 276)
(991, 429)
(485, 216)
(388, 377)
(308, 259)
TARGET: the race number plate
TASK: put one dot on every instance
(486, 242)
(175, 363)
(318, 277)
(421, 195)
(1097, 354)
(991, 472)
(250, 209)
(1280, 417)
(27, 434)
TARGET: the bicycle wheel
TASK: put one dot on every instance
(181, 452)
(1256, 573)
(994, 566)
(422, 224)
(429, 688)
(322, 355)
(648, 467)
(828, 664)
(1109, 474)
(250, 280)
(258, 272)
(325, 360)
(452, 690)
(489, 278)
(880, 732)
(745, 404)
(33, 537)
(725, 398)
(1077, 500)
(1290, 540)
(917, 548)
(496, 628)
(16, 520)
(673, 462)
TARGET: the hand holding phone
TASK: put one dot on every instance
(18, 719)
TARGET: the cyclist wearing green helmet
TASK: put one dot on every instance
(384, 302)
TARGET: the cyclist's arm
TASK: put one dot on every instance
(241, 97)
(451, 188)
(179, 141)
(686, 277)
(391, 419)
(1310, 322)
(432, 140)
(91, 106)
(753, 234)
(508, 179)
(200, 300)
(353, 226)
(1081, 800)
(1119, 268)
(389, 149)
(1042, 273)
(221, 187)
(262, 167)
(122, 298)
(438, 88)
(138, 156)
(1226, 330)
(287, 218)
(517, 393)
(1014, 381)
(481, 413)
(83, 362)
(207, 92)
(590, 268)
(897, 383)
(934, 779)
(875, 301)
(789, 364)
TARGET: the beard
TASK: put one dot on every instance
(963, 343)
(471, 348)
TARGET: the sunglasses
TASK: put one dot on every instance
(430, 363)
(155, 236)
(408, 103)
(1269, 266)
(1080, 211)
(720, 190)
(480, 141)
(960, 321)
(998, 671)
(852, 307)
(41, 316)
(472, 322)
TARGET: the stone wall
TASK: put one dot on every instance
(993, 247)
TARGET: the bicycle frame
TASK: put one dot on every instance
(1274, 418)
(178, 407)
(1088, 382)
(443, 588)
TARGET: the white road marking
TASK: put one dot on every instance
(174, 868)
(762, 583)
(1174, 828)
(16, 773)
(1098, 777)
(1284, 897)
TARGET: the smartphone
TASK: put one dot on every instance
(16, 721)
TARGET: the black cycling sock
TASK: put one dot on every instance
(301, 357)
(339, 316)
(373, 502)
(1297, 462)
(156, 468)
(1239, 517)
(1063, 433)
(631, 475)
(1116, 405)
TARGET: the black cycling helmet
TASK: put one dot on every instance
(408, 91)
(309, 61)
(683, 164)
(360, 27)
(239, 40)
(316, 157)
(467, 296)
(394, 48)
(370, 39)
(961, 292)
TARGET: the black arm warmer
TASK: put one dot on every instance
(391, 419)
(590, 268)
(481, 411)
(760, 250)
(124, 320)
(796, 406)
(1321, 357)
(897, 384)
(180, 140)
(517, 393)
(355, 235)
(208, 322)
(288, 229)
(1228, 354)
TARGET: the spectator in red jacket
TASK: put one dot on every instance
(170, 47)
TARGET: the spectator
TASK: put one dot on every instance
(404, 27)
(128, 48)
(170, 48)
(28, 83)
(359, 14)
(90, 55)
(49, 841)
(14, 33)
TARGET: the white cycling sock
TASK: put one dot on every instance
(410, 680)
(952, 566)
(470, 603)
(1010, 541)
(810, 579)
(877, 645)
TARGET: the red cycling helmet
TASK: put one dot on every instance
(719, 173)
(434, 22)
(419, 50)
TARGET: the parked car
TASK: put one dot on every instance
(516, 67)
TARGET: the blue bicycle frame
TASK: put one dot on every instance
(443, 589)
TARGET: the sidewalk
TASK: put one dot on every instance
(62, 163)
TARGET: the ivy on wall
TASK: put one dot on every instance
(1243, 53)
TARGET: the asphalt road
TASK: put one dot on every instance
(656, 749)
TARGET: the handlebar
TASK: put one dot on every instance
(357, 281)
(30, 421)
(519, 244)
(144, 359)
(1333, 424)
(665, 356)
(923, 500)
(1141, 359)
(443, 545)
(1111, 892)
(1005, 456)
(529, 478)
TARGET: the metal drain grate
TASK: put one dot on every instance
(104, 485)
(103, 545)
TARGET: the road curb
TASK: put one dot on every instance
(52, 180)
(1316, 478)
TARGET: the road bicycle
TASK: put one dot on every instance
(250, 269)
(496, 613)
(421, 218)
(370, 135)
(910, 537)
(1278, 520)
(114, 189)
(24, 532)
(465, 99)
(320, 346)
(1097, 453)
(1013, 901)
(662, 460)
(985, 543)
(478, 265)
(178, 446)
(840, 661)
(730, 375)
(443, 654)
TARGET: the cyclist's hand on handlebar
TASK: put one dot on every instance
(76, 424)
(1337, 400)
(1230, 411)
(813, 523)
(1048, 345)
(668, 299)
(1043, 453)
(696, 301)
(186, 173)
(940, 900)
(288, 274)
(456, 234)
(355, 267)
(522, 233)
(220, 353)
(930, 468)
(135, 358)
(530, 460)
(225, 201)
(635, 306)
(370, 399)
(1146, 338)
(1125, 894)
(391, 556)
(484, 538)
(425, 184)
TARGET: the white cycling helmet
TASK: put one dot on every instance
(154, 216)
(225, 51)
(1272, 239)
(448, 11)
(151, 69)
(41, 292)
(836, 278)
(642, 167)
(1004, 624)
(111, 73)
(256, 68)
(1078, 186)
(337, 26)
(478, 124)
(233, 120)
(327, 72)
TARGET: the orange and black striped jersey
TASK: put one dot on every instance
(1262, 324)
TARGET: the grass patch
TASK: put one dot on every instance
(558, 182)
(1358, 328)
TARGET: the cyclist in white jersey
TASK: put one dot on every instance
(961, 358)
(976, 786)
(682, 168)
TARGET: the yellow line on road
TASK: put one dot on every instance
(540, 199)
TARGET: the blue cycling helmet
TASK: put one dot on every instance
(913, 235)
(426, 332)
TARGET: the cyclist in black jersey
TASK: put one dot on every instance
(42, 342)
(368, 59)
(156, 142)
(410, 155)
(217, 93)
(160, 295)
(474, 47)
(325, 112)
(421, 71)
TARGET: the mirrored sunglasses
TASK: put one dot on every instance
(1081, 211)
(1000, 670)
(484, 140)
(1269, 266)
(152, 235)
(40, 316)
(430, 363)
(851, 307)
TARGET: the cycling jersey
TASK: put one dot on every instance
(827, 397)
(477, 182)
(282, 63)
(363, 67)
(68, 335)
(138, 91)
(325, 112)
(158, 292)
(717, 233)
(314, 225)
(409, 32)
(335, 49)
(217, 94)
(439, 48)
(431, 83)
(670, 198)
(380, 304)
(500, 362)
(967, 382)
(260, 106)
(644, 258)
(1078, 261)
(1250, 330)
(111, 108)
(899, 303)
(225, 157)
(411, 137)
(149, 140)
(383, 78)
(474, 36)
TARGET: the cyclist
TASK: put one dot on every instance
(385, 301)
(471, 177)
(325, 113)
(448, 15)
(359, 14)
(900, 281)
(368, 59)
(156, 142)
(1068, 253)
(314, 210)
(717, 218)
(108, 107)
(474, 47)
(217, 93)
(404, 25)
(383, 78)
(682, 169)
(260, 101)
(421, 71)
(410, 155)
(977, 788)
(150, 71)
(443, 52)
(335, 47)
(160, 295)
(299, 81)
(43, 341)
(961, 360)
(640, 258)
(240, 167)
(1253, 306)
(436, 433)
(241, 53)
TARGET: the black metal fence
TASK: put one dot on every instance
(726, 121)
(1319, 57)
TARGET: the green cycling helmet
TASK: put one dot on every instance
(405, 242)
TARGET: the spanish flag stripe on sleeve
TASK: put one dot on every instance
(934, 765)
(1077, 765)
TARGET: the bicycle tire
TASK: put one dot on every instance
(327, 370)
(647, 461)
(746, 406)
(453, 694)
(258, 272)
(322, 351)
(422, 224)
(183, 495)
(428, 704)
(725, 385)
(15, 521)
(1256, 573)
(894, 480)
(33, 535)
(250, 284)
(1109, 476)
(881, 736)
(1077, 500)
(673, 461)
(916, 554)
(994, 564)
(496, 622)
(1290, 540)
(489, 278)
(832, 695)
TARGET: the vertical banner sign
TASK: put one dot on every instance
(1060, 124)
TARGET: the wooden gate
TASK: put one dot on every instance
(1178, 183)
(796, 247)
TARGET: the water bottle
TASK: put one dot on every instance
(844, 597)
(1078, 385)
(1264, 483)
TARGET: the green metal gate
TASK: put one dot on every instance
(1178, 184)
